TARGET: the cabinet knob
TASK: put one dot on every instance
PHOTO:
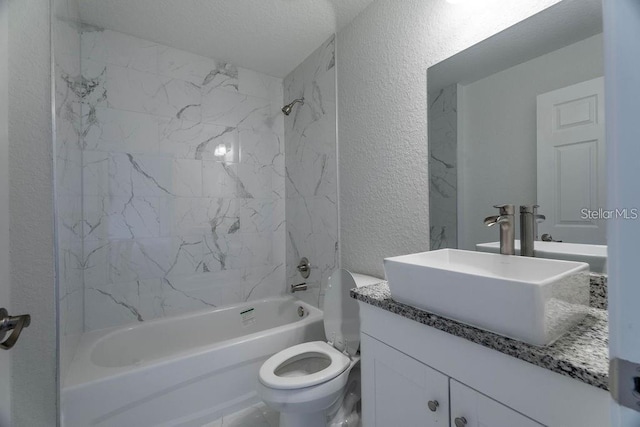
(460, 421)
(433, 405)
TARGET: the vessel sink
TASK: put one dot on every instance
(528, 299)
(594, 255)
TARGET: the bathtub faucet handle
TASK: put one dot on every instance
(304, 267)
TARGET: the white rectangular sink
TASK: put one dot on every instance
(528, 299)
(594, 255)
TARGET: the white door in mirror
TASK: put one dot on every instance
(571, 163)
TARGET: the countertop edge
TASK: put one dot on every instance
(544, 357)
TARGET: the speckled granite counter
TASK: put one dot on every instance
(598, 291)
(582, 354)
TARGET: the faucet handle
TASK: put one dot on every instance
(538, 217)
(506, 209)
(549, 238)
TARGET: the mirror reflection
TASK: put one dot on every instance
(522, 125)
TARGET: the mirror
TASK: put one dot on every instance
(518, 119)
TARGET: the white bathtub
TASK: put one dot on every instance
(181, 371)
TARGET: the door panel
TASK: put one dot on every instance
(622, 50)
(34, 382)
(576, 180)
(571, 162)
(5, 356)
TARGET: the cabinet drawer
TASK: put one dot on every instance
(479, 410)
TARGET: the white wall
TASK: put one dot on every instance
(382, 58)
(5, 290)
(622, 91)
(497, 148)
(34, 383)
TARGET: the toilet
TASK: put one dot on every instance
(312, 382)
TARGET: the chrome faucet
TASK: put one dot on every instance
(529, 219)
(537, 220)
(507, 228)
(527, 230)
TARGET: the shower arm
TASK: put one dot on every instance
(289, 107)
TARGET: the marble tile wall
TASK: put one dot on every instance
(183, 181)
(68, 179)
(311, 171)
(443, 169)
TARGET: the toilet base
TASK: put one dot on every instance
(318, 419)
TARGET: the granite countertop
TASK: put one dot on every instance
(582, 353)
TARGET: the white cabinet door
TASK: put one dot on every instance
(397, 389)
(472, 409)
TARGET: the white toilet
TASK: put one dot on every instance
(308, 382)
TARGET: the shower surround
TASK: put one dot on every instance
(183, 181)
(311, 170)
(172, 198)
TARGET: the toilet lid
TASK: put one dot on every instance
(341, 313)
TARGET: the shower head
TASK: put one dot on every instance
(289, 107)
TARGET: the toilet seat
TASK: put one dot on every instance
(305, 382)
(337, 364)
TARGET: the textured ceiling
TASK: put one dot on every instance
(270, 36)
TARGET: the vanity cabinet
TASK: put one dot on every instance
(406, 365)
(398, 390)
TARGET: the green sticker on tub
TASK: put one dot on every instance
(248, 316)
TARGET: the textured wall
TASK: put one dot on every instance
(311, 168)
(171, 222)
(383, 56)
(68, 179)
(34, 388)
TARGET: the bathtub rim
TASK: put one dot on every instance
(83, 372)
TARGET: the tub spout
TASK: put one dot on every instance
(298, 287)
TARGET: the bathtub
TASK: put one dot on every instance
(181, 371)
